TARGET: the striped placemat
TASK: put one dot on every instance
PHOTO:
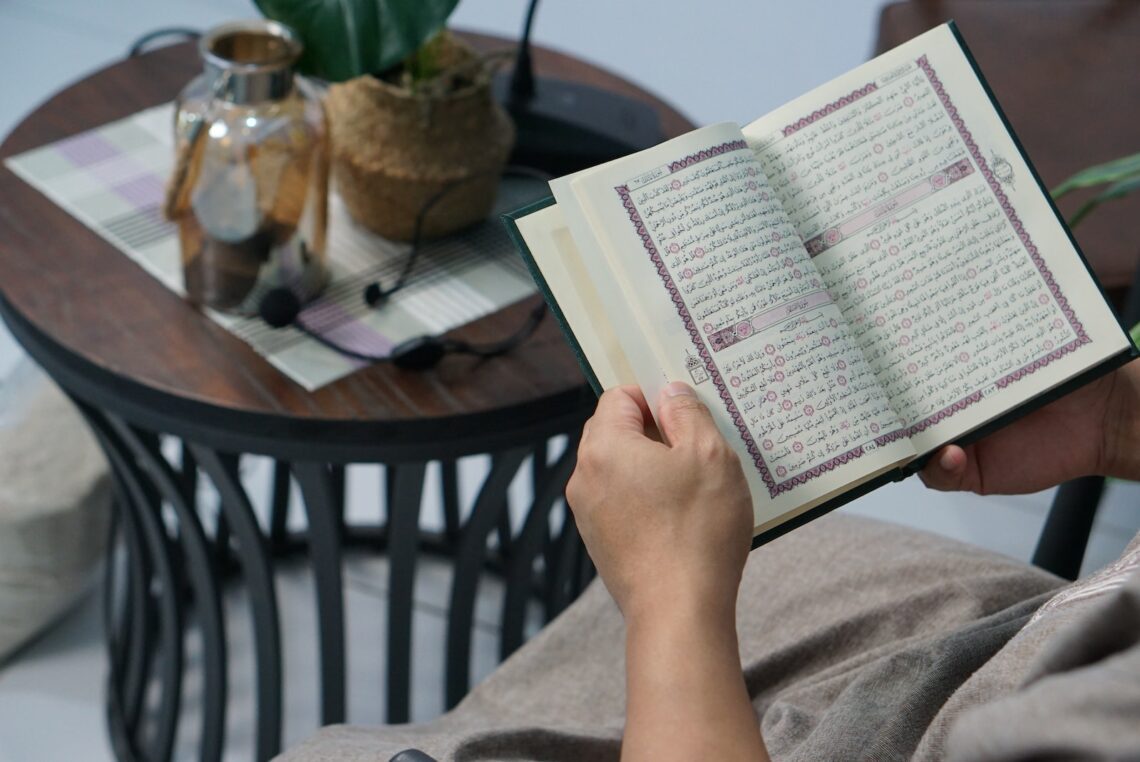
(112, 178)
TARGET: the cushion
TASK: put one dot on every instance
(55, 505)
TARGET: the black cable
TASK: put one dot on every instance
(522, 78)
(502, 346)
(281, 307)
(374, 293)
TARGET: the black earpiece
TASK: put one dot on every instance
(374, 296)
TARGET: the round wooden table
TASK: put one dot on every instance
(143, 365)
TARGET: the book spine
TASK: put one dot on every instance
(547, 294)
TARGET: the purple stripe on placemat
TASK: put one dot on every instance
(142, 191)
(87, 148)
(336, 324)
(125, 167)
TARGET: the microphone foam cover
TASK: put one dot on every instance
(279, 307)
(374, 295)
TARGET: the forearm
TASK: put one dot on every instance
(686, 694)
(668, 525)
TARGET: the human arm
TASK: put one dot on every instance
(1094, 430)
(668, 526)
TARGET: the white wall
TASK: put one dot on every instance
(734, 59)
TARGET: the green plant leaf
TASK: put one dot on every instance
(1117, 190)
(1109, 172)
(347, 38)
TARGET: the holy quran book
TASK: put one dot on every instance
(849, 283)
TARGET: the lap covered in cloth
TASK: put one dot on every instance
(859, 640)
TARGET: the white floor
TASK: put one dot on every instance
(756, 55)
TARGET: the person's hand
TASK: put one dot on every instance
(669, 524)
(1093, 430)
(662, 521)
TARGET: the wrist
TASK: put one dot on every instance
(680, 644)
(686, 695)
(682, 608)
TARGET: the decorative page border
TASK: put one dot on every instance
(892, 436)
(830, 108)
(945, 413)
(708, 153)
(1015, 221)
(1040, 362)
(774, 488)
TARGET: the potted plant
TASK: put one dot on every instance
(410, 111)
(1121, 176)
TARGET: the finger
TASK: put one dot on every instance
(948, 470)
(638, 396)
(621, 409)
(649, 426)
(684, 418)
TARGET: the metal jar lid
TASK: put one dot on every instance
(256, 55)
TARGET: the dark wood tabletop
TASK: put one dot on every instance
(1067, 75)
(66, 285)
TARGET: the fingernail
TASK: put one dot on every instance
(946, 462)
(679, 389)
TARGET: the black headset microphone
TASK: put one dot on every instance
(280, 306)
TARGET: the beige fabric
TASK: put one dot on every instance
(842, 613)
(55, 505)
(1066, 686)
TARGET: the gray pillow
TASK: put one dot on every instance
(55, 505)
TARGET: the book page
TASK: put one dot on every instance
(715, 273)
(932, 235)
(554, 252)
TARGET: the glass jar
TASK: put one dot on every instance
(250, 191)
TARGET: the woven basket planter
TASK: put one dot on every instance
(395, 150)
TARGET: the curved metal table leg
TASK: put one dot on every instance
(528, 545)
(490, 504)
(204, 585)
(322, 506)
(160, 743)
(171, 575)
(258, 573)
(122, 640)
(405, 484)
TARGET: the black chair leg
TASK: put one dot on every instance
(1061, 547)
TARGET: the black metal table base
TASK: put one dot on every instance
(179, 556)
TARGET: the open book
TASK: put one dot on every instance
(849, 283)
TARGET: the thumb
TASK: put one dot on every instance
(948, 470)
(684, 418)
